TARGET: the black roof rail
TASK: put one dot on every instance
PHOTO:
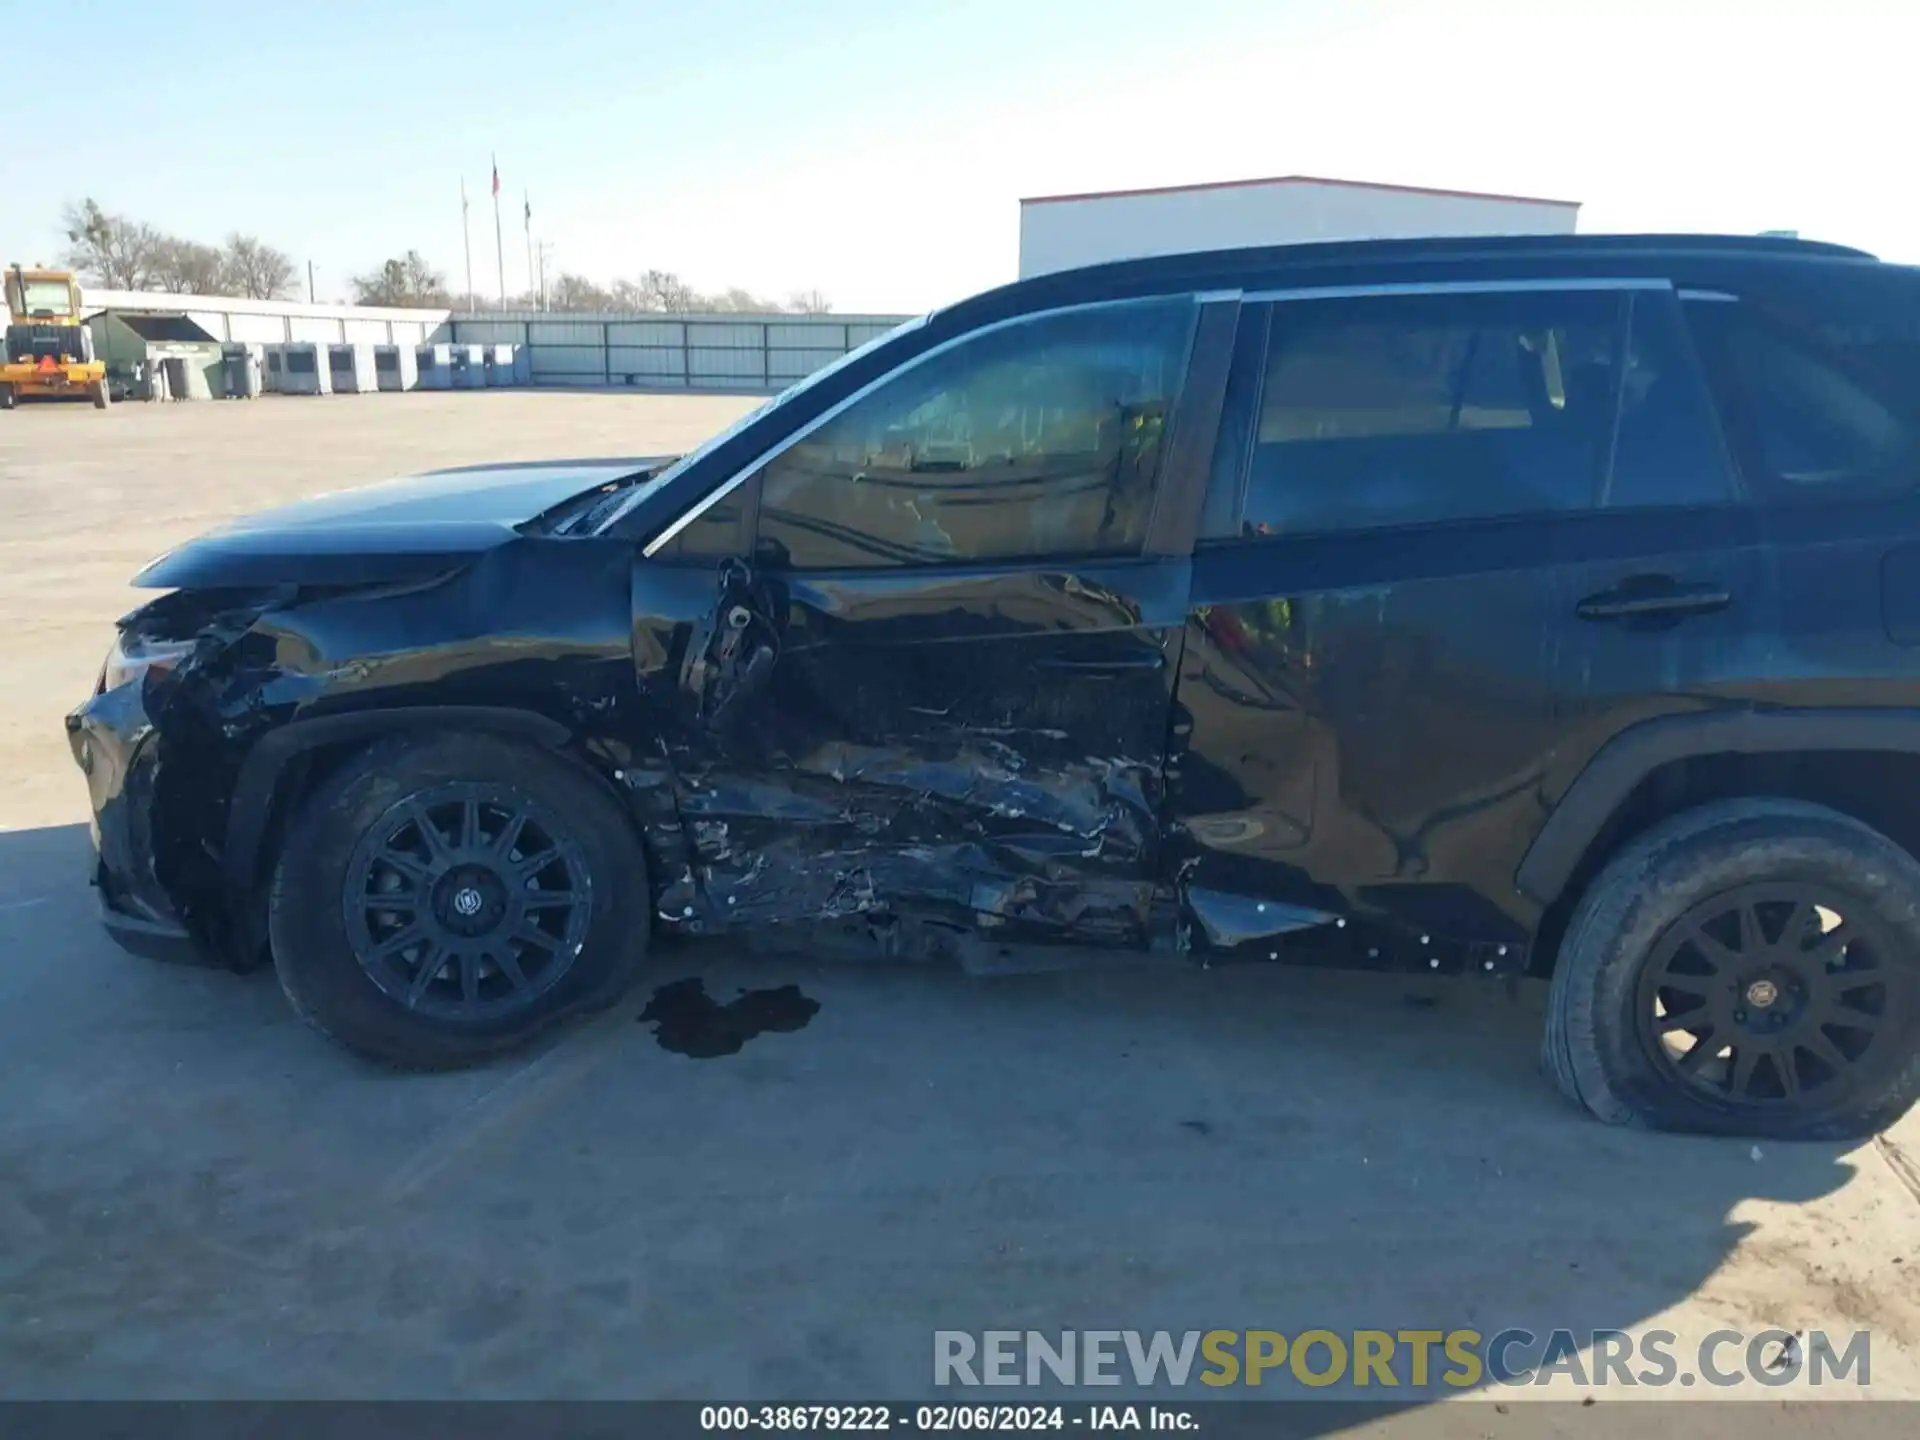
(1444, 246)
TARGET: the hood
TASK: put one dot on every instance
(399, 530)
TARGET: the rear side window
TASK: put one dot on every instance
(1808, 423)
(1415, 409)
(1667, 447)
(1040, 438)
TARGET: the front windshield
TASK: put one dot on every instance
(712, 442)
(47, 297)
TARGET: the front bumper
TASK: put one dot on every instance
(114, 744)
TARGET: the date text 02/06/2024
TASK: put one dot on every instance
(942, 1419)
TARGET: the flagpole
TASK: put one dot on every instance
(532, 289)
(466, 239)
(499, 246)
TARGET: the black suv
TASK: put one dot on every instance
(1531, 606)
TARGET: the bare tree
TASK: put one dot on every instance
(663, 290)
(809, 302)
(576, 292)
(256, 270)
(185, 267)
(737, 301)
(405, 280)
(114, 251)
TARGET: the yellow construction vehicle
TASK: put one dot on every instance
(49, 350)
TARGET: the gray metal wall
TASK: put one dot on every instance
(691, 352)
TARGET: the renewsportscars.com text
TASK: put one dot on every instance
(1416, 1359)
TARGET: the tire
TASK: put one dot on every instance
(6, 397)
(1685, 917)
(100, 397)
(344, 958)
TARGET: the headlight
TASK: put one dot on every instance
(132, 657)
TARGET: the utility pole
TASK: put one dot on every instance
(544, 247)
(466, 239)
(310, 282)
(499, 246)
(533, 290)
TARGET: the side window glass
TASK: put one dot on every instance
(1041, 438)
(1667, 450)
(718, 531)
(1408, 410)
(1811, 428)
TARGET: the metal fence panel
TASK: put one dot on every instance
(648, 364)
(806, 335)
(741, 335)
(567, 363)
(365, 332)
(646, 332)
(714, 365)
(492, 332)
(735, 352)
(787, 366)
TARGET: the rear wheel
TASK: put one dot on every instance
(1749, 968)
(6, 397)
(439, 901)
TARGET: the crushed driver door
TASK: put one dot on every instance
(911, 698)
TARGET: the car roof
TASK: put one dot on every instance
(1388, 261)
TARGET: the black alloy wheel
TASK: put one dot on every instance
(467, 901)
(1771, 995)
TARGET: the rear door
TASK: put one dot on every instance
(938, 678)
(1668, 601)
(1366, 706)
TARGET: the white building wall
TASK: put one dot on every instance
(1060, 233)
(227, 317)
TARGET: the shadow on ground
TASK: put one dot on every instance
(205, 1199)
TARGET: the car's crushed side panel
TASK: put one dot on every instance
(825, 777)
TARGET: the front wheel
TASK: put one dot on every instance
(439, 901)
(101, 399)
(1751, 967)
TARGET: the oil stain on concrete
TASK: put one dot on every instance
(688, 1021)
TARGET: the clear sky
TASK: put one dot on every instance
(877, 149)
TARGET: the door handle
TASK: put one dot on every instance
(1655, 596)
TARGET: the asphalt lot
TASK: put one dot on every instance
(200, 1198)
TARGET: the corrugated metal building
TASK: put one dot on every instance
(720, 352)
(1058, 232)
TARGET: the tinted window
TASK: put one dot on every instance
(1042, 438)
(1413, 409)
(1667, 448)
(719, 530)
(1810, 425)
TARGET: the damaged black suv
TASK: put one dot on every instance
(1507, 607)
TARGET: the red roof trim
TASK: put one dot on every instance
(1298, 180)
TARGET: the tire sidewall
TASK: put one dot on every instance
(1621, 922)
(314, 955)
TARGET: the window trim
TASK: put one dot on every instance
(832, 412)
(1271, 300)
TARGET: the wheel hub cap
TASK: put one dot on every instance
(467, 901)
(1773, 995)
